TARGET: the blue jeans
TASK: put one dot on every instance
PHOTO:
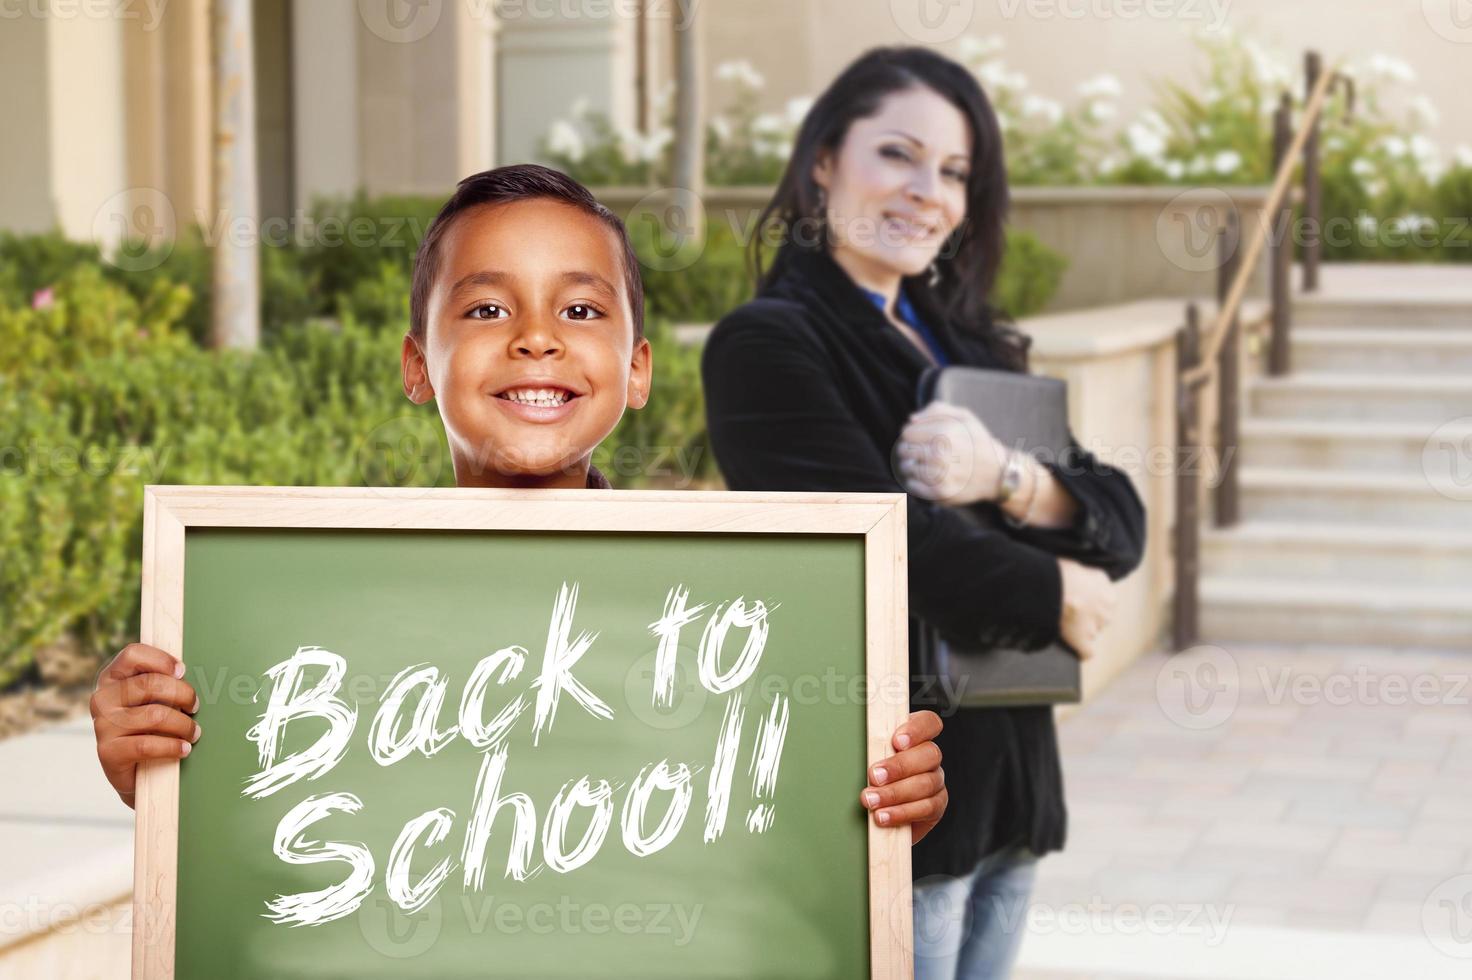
(969, 928)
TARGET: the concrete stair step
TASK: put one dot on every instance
(1363, 553)
(1374, 349)
(1291, 610)
(1434, 398)
(1319, 444)
(1437, 311)
(1353, 496)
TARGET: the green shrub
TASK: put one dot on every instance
(1029, 275)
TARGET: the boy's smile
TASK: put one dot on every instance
(529, 347)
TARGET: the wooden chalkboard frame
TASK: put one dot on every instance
(880, 517)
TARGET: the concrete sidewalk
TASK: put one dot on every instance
(1265, 812)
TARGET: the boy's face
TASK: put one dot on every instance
(529, 344)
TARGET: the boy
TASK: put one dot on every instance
(527, 328)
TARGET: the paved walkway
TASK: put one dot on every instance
(1268, 812)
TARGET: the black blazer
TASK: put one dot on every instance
(807, 388)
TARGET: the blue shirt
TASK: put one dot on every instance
(908, 314)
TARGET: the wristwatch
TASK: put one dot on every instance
(1011, 479)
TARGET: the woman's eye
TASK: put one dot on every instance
(958, 175)
(588, 311)
(475, 314)
(895, 153)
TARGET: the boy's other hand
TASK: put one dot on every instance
(910, 786)
(140, 711)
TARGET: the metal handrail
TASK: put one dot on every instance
(1257, 240)
(1215, 356)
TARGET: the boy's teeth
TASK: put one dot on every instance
(544, 397)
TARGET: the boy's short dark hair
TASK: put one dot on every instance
(520, 182)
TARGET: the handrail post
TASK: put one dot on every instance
(1280, 240)
(1228, 378)
(1313, 197)
(1188, 507)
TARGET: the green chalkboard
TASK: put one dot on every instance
(790, 901)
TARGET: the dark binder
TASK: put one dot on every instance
(1030, 413)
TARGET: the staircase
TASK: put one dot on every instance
(1356, 473)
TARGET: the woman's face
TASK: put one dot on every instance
(897, 186)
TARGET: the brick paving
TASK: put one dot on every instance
(1264, 812)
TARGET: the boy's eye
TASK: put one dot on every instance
(475, 314)
(584, 311)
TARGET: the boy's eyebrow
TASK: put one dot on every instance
(577, 277)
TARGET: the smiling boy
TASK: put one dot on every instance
(527, 329)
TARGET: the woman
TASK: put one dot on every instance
(890, 224)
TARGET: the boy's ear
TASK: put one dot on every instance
(641, 374)
(416, 372)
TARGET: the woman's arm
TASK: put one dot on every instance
(1086, 510)
(778, 420)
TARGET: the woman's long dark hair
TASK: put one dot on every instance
(969, 258)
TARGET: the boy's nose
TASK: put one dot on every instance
(536, 339)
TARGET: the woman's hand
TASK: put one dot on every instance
(1088, 606)
(910, 786)
(946, 454)
(139, 713)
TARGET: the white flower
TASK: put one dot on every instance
(769, 124)
(1463, 155)
(1422, 148)
(1362, 168)
(1048, 109)
(1152, 119)
(797, 110)
(1101, 111)
(635, 147)
(1394, 69)
(722, 126)
(1101, 87)
(1108, 165)
(1334, 143)
(1175, 169)
(978, 48)
(1145, 141)
(1394, 146)
(1227, 162)
(996, 75)
(1212, 95)
(563, 140)
(1375, 188)
(1425, 110)
(1198, 165)
(1367, 224)
(1268, 69)
(1411, 222)
(741, 73)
